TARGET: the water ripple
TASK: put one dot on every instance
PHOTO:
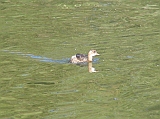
(45, 59)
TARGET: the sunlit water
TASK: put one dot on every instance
(39, 37)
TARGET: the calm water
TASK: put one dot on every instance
(39, 36)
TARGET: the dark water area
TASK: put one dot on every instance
(39, 37)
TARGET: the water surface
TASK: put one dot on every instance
(38, 33)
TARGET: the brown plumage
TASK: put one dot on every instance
(80, 58)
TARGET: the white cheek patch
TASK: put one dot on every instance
(93, 55)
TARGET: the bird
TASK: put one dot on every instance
(82, 58)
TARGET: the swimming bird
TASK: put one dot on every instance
(82, 58)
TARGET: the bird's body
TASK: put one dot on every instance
(82, 58)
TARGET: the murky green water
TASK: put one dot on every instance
(38, 36)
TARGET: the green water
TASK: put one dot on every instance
(125, 33)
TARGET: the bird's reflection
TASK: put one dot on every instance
(90, 68)
(89, 64)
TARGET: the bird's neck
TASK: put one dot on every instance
(89, 58)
